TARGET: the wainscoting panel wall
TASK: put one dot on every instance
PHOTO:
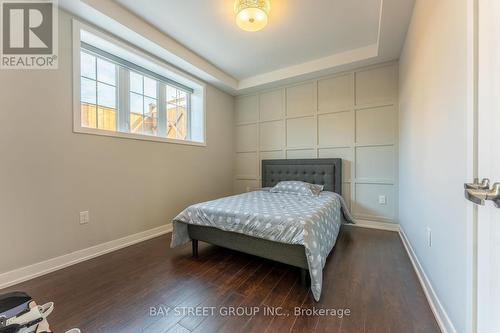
(352, 115)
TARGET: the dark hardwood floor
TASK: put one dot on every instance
(368, 273)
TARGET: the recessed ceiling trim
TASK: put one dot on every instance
(116, 19)
(314, 66)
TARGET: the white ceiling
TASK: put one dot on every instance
(298, 31)
(304, 38)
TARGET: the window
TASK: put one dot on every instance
(125, 94)
(177, 106)
(98, 93)
(143, 104)
(143, 114)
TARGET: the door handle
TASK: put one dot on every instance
(479, 195)
(483, 185)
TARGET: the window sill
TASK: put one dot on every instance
(123, 135)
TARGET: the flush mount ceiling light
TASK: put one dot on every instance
(251, 15)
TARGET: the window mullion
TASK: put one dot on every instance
(162, 110)
(143, 108)
(96, 97)
(188, 116)
(123, 101)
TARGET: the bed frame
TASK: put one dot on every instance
(323, 171)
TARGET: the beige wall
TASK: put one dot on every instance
(433, 151)
(352, 115)
(48, 174)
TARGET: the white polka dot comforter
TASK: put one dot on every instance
(312, 221)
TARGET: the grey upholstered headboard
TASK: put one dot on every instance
(323, 171)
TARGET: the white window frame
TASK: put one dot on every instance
(197, 100)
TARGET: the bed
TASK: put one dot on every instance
(288, 228)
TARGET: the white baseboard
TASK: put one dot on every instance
(32, 271)
(442, 318)
(376, 225)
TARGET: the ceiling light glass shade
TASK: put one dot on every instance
(251, 15)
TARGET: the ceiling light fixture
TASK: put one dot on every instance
(251, 15)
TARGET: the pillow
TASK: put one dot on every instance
(297, 187)
(315, 188)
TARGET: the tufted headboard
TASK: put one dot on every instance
(323, 171)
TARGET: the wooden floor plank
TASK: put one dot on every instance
(253, 299)
(178, 329)
(368, 273)
(294, 299)
(261, 321)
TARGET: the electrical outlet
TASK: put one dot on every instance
(84, 217)
(429, 237)
(382, 200)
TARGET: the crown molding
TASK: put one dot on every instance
(317, 67)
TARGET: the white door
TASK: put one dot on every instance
(488, 158)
